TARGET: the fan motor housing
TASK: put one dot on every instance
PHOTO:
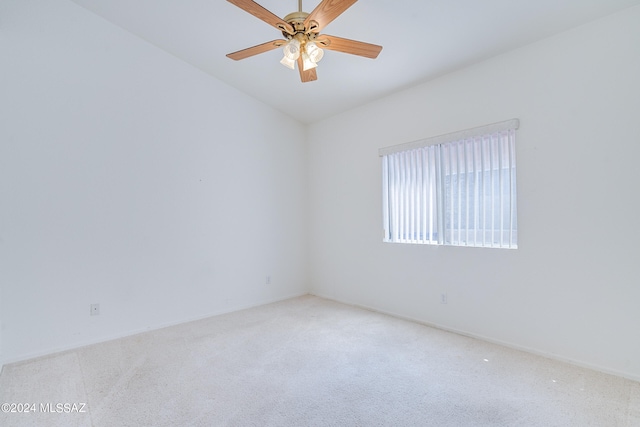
(296, 19)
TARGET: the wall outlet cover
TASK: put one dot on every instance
(94, 309)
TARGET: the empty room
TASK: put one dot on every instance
(319, 213)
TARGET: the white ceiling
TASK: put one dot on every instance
(421, 40)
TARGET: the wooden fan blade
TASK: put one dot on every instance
(353, 47)
(255, 50)
(307, 76)
(261, 13)
(325, 12)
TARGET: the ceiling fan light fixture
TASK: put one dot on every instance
(292, 49)
(307, 62)
(314, 52)
(289, 63)
(300, 31)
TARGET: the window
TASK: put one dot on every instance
(457, 189)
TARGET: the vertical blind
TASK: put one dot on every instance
(457, 189)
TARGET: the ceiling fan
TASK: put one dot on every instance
(303, 43)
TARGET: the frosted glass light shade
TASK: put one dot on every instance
(292, 49)
(307, 63)
(314, 52)
(289, 63)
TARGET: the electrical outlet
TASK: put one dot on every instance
(443, 298)
(94, 309)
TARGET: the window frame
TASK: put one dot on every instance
(405, 208)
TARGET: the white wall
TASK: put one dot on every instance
(571, 289)
(123, 175)
(1, 327)
(130, 179)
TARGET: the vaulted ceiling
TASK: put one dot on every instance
(421, 40)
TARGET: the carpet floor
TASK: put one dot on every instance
(309, 362)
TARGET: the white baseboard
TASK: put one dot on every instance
(580, 363)
(51, 351)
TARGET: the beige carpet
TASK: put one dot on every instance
(310, 362)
